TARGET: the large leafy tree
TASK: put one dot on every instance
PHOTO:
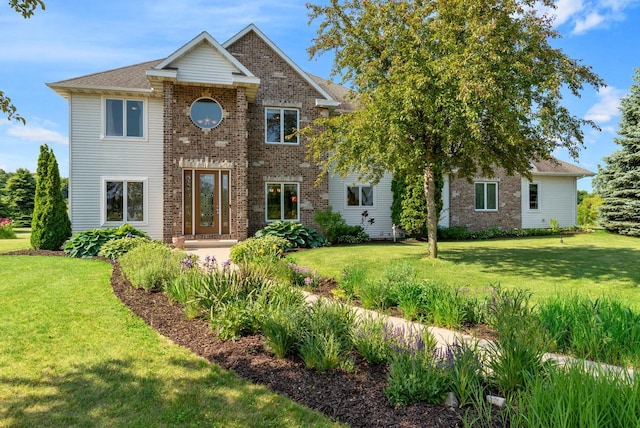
(618, 182)
(50, 226)
(26, 8)
(445, 85)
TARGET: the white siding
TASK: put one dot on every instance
(445, 213)
(204, 64)
(92, 157)
(381, 211)
(557, 200)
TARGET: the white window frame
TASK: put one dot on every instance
(124, 180)
(124, 100)
(282, 134)
(485, 183)
(359, 206)
(266, 201)
(537, 183)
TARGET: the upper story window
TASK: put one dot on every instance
(359, 196)
(124, 118)
(281, 125)
(206, 113)
(486, 195)
(534, 196)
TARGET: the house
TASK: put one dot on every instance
(201, 144)
(511, 202)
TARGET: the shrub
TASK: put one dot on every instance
(6, 229)
(116, 248)
(50, 225)
(302, 276)
(352, 279)
(88, 243)
(465, 371)
(327, 331)
(604, 329)
(370, 339)
(151, 266)
(252, 249)
(516, 357)
(297, 234)
(336, 230)
(415, 374)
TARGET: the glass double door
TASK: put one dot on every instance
(206, 202)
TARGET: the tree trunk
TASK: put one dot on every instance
(432, 215)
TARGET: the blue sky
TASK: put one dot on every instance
(71, 39)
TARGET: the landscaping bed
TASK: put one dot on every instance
(356, 398)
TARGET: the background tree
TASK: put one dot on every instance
(455, 86)
(26, 8)
(618, 182)
(4, 210)
(20, 191)
(588, 209)
(50, 227)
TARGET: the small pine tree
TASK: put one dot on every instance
(618, 183)
(50, 227)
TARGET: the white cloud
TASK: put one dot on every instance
(608, 105)
(37, 134)
(590, 21)
(565, 9)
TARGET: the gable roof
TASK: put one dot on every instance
(557, 167)
(327, 101)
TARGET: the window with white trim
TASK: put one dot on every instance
(534, 196)
(124, 118)
(124, 200)
(360, 196)
(281, 125)
(486, 196)
(282, 201)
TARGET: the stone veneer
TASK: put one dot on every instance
(462, 204)
(238, 143)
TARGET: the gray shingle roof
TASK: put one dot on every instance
(558, 167)
(133, 77)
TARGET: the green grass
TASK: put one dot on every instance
(71, 354)
(22, 242)
(594, 265)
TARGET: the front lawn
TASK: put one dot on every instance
(71, 354)
(594, 265)
(22, 241)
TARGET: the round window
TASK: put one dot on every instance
(206, 113)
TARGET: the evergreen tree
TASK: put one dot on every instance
(618, 183)
(20, 190)
(50, 227)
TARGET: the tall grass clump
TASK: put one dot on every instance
(466, 371)
(516, 357)
(326, 335)
(602, 329)
(577, 397)
(116, 248)
(352, 278)
(152, 265)
(370, 338)
(415, 371)
(252, 249)
(283, 319)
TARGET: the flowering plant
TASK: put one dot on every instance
(6, 229)
(304, 276)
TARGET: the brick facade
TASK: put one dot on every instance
(462, 204)
(238, 145)
(280, 86)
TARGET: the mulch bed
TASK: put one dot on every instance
(356, 398)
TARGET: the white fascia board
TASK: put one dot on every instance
(277, 50)
(163, 74)
(68, 88)
(247, 80)
(320, 102)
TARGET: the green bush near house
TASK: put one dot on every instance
(116, 248)
(336, 230)
(152, 265)
(88, 243)
(297, 234)
(265, 247)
